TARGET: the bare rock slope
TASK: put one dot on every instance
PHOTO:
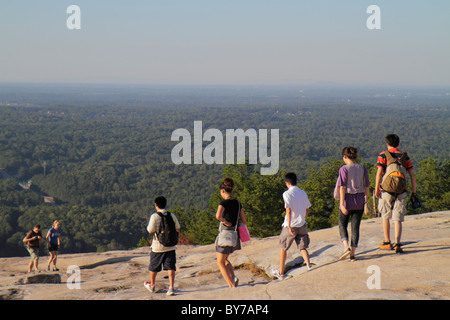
(421, 272)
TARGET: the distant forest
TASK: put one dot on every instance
(104, 160)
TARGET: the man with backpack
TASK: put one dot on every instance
(165, 228)
(390, 188)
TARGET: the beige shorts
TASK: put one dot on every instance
(34, 253)
(393, 207)
(301, 238)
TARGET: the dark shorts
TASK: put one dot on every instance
(301, 238)
(228, 250)
(162, 259)
(53, 247)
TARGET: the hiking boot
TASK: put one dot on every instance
(386, 245)
(398, 248)
(276, 274)
(345, 254)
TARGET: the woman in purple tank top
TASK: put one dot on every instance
(353, 187)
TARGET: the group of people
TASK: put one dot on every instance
(352, 191)
(33, 240)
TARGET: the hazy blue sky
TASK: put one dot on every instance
(225, 42)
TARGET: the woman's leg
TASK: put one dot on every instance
(356, 222)
(226, 269)
(55, 256)
(343, 223)
(50, 259)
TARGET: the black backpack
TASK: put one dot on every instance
(167, 235)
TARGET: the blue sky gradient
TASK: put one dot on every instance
(251, 42)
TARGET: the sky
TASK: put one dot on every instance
(218, 42)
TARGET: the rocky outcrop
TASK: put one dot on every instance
(40, 278)
(421, 272)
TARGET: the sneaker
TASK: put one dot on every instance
(55, 269)
(149, 287)
(352, 258)
(276, 274)
(345, 254)
(386, 246)
(170, 291)
(309, 267)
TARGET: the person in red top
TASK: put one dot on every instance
(392, 206)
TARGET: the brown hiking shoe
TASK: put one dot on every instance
(398, 248)
(386, 246)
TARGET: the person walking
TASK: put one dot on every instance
(163, 254)
(32, 242)
(229, 213)
(390, 188)
(54, 242)
(294, 227)
(353, 186)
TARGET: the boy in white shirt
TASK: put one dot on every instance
(294, 226)
(161, 256)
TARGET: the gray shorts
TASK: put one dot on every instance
(301, 238)
(393, 207)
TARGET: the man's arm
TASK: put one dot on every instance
(288, 220)
(378, 181)
(412, 175)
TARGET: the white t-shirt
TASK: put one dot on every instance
(297, 200)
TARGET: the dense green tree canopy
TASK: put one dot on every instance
(105, 165)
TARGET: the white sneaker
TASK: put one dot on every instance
(276, 274)
(170, 291)
(149, 287)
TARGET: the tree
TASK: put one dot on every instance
(319, 187)
(433, 184)
(260, 196)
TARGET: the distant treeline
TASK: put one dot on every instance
(105, 165)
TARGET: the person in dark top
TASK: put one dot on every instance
(229, 213)
(32, 241)
(54, 242)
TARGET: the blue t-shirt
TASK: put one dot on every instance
(54, 235)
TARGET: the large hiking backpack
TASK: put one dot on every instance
(394, 179)
(167, 235)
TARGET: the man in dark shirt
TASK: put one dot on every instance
(32, 241)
